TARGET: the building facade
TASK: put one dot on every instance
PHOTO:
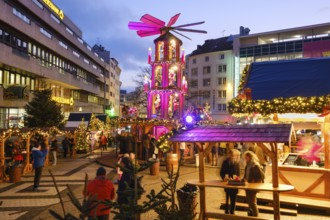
(41, 48)
(210, 74)
(294, 43)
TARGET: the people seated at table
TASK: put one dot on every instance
(230, 170)
(253, 174)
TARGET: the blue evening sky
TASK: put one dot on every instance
(105, 22)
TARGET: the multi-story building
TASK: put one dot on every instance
(112, 92)
(210, 74)
(287, 44)
(41, 48)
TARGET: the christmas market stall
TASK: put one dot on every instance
(15, 152)
(266, 136)
(298, 92)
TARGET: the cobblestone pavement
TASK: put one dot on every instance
(17, 201)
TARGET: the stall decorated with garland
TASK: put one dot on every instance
(298, 92)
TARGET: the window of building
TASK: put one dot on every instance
(222, 94)
(222, 81)
(206, 94)
(206, 70)
(76, 54)
(89, 48)
(194, 61)
(222, 56)
(96, 54)
(193, 83)
(21, 16)
(69, 30)
(38, 4)
(80, 40)
(194, 71)
(55, 19)
(86, 61)
(207, 82)
(46, 33)
(207, 58)
(1, 77)
(63, 44)
(222, 68)
(222, 107)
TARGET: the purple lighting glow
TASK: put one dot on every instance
(189, 119)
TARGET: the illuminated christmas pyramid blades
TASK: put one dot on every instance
(151, 25)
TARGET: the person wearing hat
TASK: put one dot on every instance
(102, 189)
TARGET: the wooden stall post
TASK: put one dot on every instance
(326, 132)
(202, 194)
(28, 166)
(47, 156)
(276, 196)
(2, 150)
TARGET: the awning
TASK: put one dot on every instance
(264, 133)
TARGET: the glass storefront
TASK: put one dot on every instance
(11, 118)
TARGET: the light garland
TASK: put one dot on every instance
(296, 104)
(162, 142)
(244, 77)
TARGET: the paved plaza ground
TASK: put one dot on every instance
(17, 201)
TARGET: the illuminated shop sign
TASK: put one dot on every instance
(54, 8)
(61, 100)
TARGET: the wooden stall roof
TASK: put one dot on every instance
(265, 133)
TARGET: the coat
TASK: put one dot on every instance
(126, 178)
(103, 189)
(230, 168)
(256, 175)
(38, 157)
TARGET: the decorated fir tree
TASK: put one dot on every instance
(42, 111)
(81, 138)
(96, 124)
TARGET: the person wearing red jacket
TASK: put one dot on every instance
(103, 189)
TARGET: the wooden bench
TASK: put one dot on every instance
(231, 217)
(248, 186)
(265, 209)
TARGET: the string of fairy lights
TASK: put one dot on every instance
(297, 104)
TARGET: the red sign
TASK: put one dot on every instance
(317, 49)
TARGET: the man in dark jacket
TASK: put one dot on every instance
(39, 154)
(230, 170)
(65, 145)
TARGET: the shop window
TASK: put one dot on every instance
(18, 79)
(1, 77)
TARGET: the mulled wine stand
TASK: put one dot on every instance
(261, 135)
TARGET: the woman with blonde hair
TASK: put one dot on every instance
(253, 174)
(230, 170)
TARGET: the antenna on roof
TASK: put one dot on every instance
(223, 32)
